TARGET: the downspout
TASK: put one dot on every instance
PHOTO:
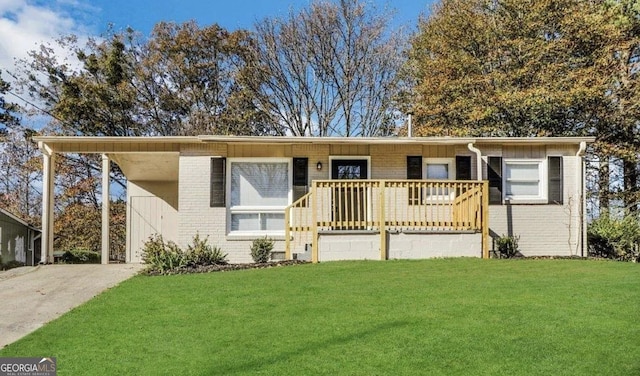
(485, 201)
(36, 235)
(32, 246)
(478, 160)
(580, 166)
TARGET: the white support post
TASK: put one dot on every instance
(105, 209)
(48, 173)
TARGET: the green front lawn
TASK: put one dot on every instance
(432, 317)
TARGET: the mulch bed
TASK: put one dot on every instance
(191, 269)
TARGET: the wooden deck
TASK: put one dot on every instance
(387, 205)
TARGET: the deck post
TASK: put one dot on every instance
(48, 173)
(381, 221)
(485, 219)
(314, 223)
(105, 209)
(287, 234)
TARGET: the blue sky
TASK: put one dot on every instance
(25, 24)
(142, 15)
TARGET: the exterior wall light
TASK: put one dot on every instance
(319, 166)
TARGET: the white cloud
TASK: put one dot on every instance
(25, 25)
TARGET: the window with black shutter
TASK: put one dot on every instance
(463, 167)
(555, 180)
(494, 175)
(218, 176)
(300, 177)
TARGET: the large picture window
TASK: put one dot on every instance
(259, 192)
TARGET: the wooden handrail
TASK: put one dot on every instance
(381, 205)
(289, 220)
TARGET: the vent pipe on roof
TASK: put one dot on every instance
(409, 125)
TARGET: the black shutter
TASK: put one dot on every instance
(463, 167)
(414, 171)
(555, 180)
(300, 177)
(414, 167)
(494, 175)
(218, 177)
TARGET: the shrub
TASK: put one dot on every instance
(202, 253)
(614, 238)
(11, 264)
(261, 249)
(162, 256)
(80, 256)
(507, 246)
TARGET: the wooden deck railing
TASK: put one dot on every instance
(386, 205)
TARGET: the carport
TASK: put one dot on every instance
(145, 159)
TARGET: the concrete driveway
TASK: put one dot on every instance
(33, 296)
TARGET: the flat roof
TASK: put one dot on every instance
(311, 140)
(8, 214)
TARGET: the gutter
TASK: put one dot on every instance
(472, 148)
(580, 166)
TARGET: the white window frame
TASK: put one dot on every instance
(541, 197)
(257, 209)
(451, 172)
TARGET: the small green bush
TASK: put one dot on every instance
(162, 256)
(261, 249)
(507, 246)
(616, 239)
(80, 256)
(200, 252)
(11, 264)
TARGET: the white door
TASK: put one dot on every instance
(149, 215)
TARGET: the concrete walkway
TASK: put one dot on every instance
(33, 296)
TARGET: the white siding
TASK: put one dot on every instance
(13, 240)
(550, 230)
(335, 247)
(196, 216)
(543, 229)
(430, 245)
(151, 209)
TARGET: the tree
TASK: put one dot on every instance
(509, 68)
(532, 68)
(20, 174)
(182, 80)
(331, 69)
(78, 226)
(187, 79)
(8, 110)
(620, 135)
